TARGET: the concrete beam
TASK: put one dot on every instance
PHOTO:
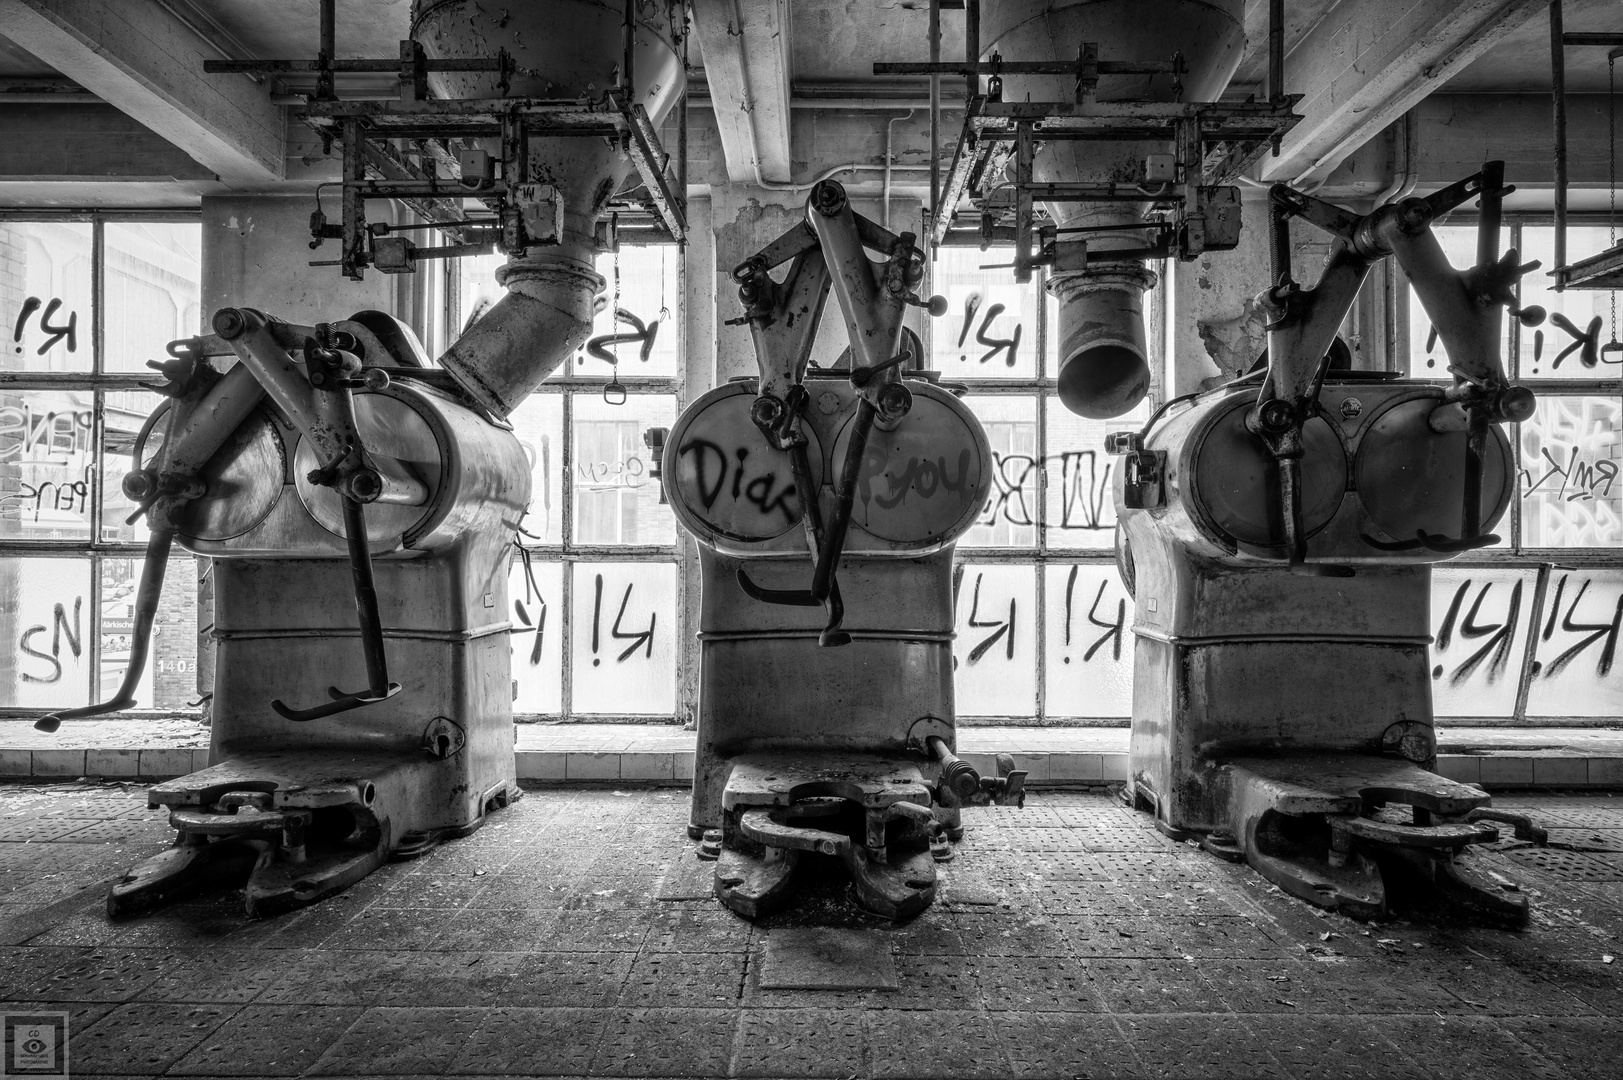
(1364, 65)
(746, 47)
(136, 55)
(53, 143)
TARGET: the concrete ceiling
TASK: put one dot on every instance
(1522, 61)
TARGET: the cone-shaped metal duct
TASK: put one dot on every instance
(562, 49)
(1103, 370)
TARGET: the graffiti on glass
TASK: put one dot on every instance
(31, 642)
(1113, 628)
(54, 331)
(640, 639)
(1084, 490)
(1009, 346)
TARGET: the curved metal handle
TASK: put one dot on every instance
(147, 595)
(378, 688)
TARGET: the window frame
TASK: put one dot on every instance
(95, 550)
(1041, 555)
(567, 383)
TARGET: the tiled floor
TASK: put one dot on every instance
(572, 937)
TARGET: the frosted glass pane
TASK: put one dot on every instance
(650, 289)
(1009, 518)
(45, 295)
(1080, 506)
(150, 284)
(170, 678)
(1575, 673)
(1089, 642)
(539, 426)
(1428, 359)
(1571, 496)
(616, 498)
(536, 603)
(124, 411)
(45, 623)
(47, 464)
(990, 328)
(1570, 351)
(623, 639)
(1479, 624)
(995, 654)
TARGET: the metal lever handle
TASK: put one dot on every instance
(147, 595)
(1290, 505)
(379, 687)
(830, 544)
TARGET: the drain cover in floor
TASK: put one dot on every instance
(817, 958)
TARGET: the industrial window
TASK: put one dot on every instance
(87, 300)
(1529, 628)
(597, 625)
(1044, 623)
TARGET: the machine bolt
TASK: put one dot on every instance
(710, 845)
(229, 323)
(1517, 404)
(364, 486)
(140, 485)
(828, 198)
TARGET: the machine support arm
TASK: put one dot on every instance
(829, 253)
(1464, 306)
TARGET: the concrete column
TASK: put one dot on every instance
(1218, 333)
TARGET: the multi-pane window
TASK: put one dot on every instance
(1044, 622)
(86, 300)
(597, 624)
(1530, 627)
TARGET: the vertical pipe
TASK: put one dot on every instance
(935, 128)
(972, 44)
(1276, 49)
(626, 69)
(1558, 92)
(325, 89)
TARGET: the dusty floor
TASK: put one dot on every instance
(571, 937)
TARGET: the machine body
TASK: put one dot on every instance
(826, 721)
(1277, 535)
(360, 519)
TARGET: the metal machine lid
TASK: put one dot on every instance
(245, 479)
(1411, 478)
(728, 481)
(1233, 478)
(924, 483)
(399, 436)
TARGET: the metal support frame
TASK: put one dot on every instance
(1603, 271)
(368, 132)
(1215, 142)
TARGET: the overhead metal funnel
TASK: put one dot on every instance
(1103, 369)
(562, 49)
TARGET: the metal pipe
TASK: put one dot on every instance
(888, 156)
(626, 68)
(1276, 49)
(935, 119)
(1558, 93)
(329, 49)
